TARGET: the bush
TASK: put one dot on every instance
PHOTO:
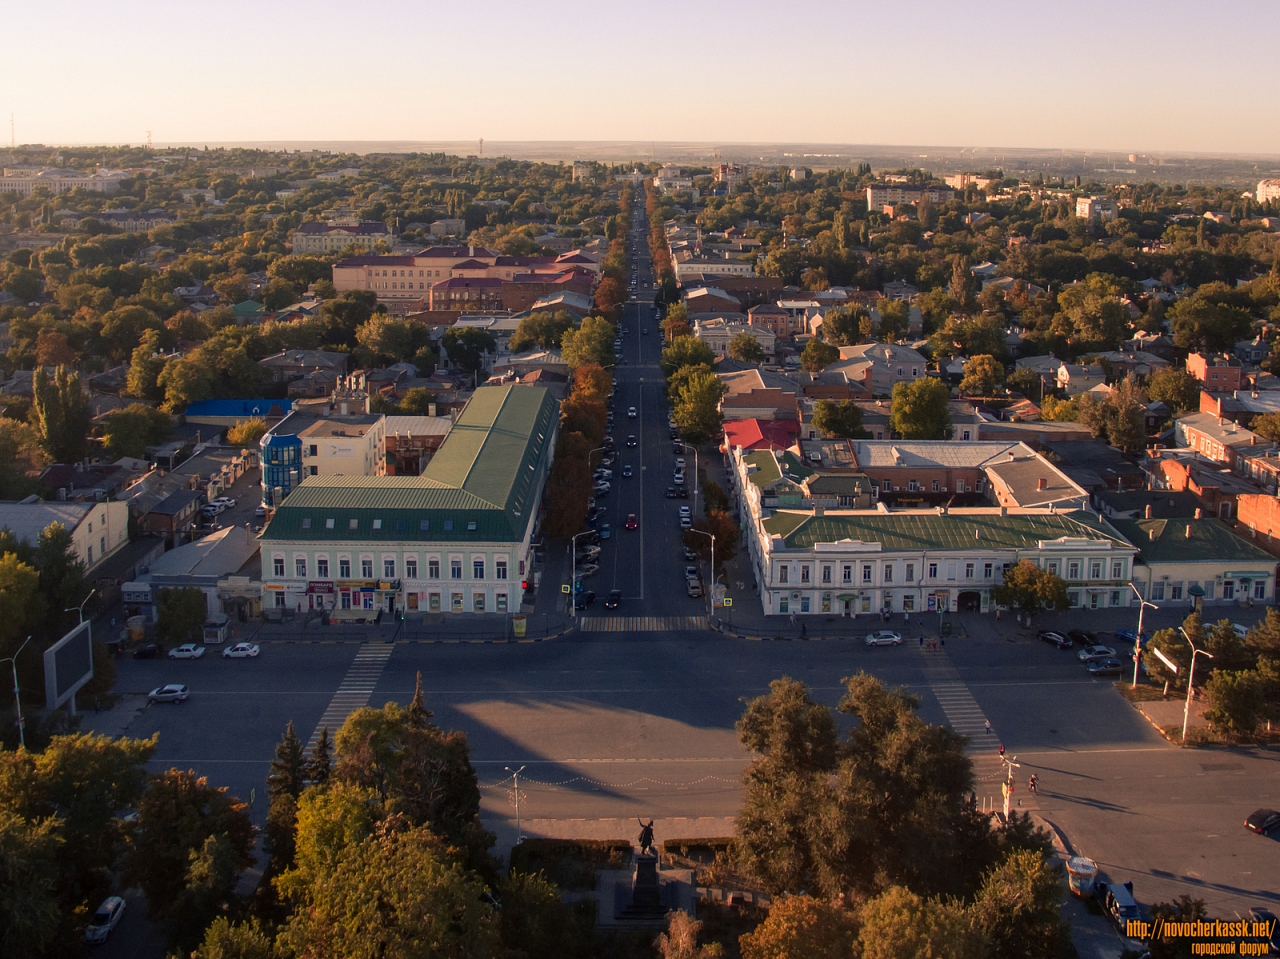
(570, 863)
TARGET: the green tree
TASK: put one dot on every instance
(145, 366)
(24, 283)
(838, 418)
(60, 413)
(696, 409)
(21, 605)
(590, 343)
(468, 347)
(62, 578)
(1200, 325)
(20, 455)
(1178, 389)
(1027, 382)
(920, 410)
(1031, 589)
(746, 348)
(895, 319)
(416, 402)
(1239, 701)
(720, 525)
(123, 328)
(898, 924)
(247, 433)
(320, 764)
(1267, 426)
(541, 329)
(389, 339)
(1017, 910)
(130, 430)
(284, 786)
(982, 375)
(179, 613)
(31, 919)
(686, 351)
(212, 872)
(817, 356)
(842, 325)
(1098, 318)
(242, 940)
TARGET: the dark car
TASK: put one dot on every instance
(682, 492)
(1117, 902)
(1262, 914)
(583, 600)
(1106, 667)
(149, 651)
(614, 599)
(1263, 821)
(676, 448)
(671, 492)
(1082, 637)
(631, 440)
(1057, 639)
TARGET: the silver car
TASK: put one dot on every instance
(173, 693)
(106, 918)
(884, 637)
(186, 651)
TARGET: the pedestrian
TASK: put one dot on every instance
(1002, 750)
(942, 641)
(804, 630)
(906, 619)
(988, 727)
(997, 614)
(922, 640)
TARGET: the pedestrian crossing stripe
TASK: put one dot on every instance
(641, 624)
(356, 689)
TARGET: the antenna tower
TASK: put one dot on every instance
(482, 146)
(148, 141)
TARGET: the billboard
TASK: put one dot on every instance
(68, 665)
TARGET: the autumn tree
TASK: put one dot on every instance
(982, 375)
(719, 524)
(898, 924)
(247, 433)
(920, 410)
(802, 926)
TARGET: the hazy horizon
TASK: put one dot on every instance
(1122, 76)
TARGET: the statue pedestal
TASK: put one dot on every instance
(646, 891)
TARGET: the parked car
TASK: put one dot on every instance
(149, 651)
(210, 510)
(240, 651)
(686, 522)
(1090, 653)
(884, 637)
(690, 554)
(691, 572)
(587, 569)
(172, 693)
(1082, 637)
(632, 522)
(1106, 667)
(1057, 639)
(693, 588)
(671, 492)
(227, 502)
(1264, 915)
(603, 474)
(684, 511)
(1117, 902)
(259, 512)
(186, 651)
(105, 918)
(605, 531)
(679, 462)
(679, 477)
(681, 493)
(1263, 821)
(602, 488)
(614, 599)
(583, 600)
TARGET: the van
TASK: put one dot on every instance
(1118, 903)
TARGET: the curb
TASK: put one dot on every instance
(1061, 845)
(417, 642)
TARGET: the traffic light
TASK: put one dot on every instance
(524, 584)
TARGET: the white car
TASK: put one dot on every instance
(631, 413)
(685, 511)
(173, 693)
(104, 920)
(686, 522)
(211, 509)
(679, 478)
(679, 462)
(884, 637)
(226, 502)
(240, 651)
(186, 651)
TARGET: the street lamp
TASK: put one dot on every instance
(515, 774)
(17, 699)
(1137, 643)
(80, 609)
(1191, 678)
(714, 581)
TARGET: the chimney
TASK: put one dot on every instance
(1042, 483)
(1148, 513)
(1199, 514)
(1187, 528)
(1004, 511)
(819, 511)
(977, 533)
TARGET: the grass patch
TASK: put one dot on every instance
(571, 863)
(1144, 693)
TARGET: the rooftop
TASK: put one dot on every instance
(947, 454)
(1188, 540)
(217, 554)
(28, 520)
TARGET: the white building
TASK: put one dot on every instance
(338, 445)
(880, 195)
(1096, 208)
(61, 181)
(1269, 191)
(331, 238)
(97, 529)
(717, 334)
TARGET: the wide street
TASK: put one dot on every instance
(611, 723)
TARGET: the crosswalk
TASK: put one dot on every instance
(963, 713)
(356, 689)
(641, 624)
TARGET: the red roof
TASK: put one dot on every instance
(761, 434)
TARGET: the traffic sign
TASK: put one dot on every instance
(564, 587)
(728, 600)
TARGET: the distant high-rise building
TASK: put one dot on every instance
(1269, 191)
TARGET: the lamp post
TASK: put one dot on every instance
(1137, 643)
(1010, 764)
(80, 609)
(515, 774)
(1191, 678)
(17, 699)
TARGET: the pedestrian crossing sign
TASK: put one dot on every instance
(728, 600)
(564, 587)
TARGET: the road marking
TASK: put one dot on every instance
(963, 713)
(641, 624)
(356, 688)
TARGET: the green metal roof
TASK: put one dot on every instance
(1167, 541)
(478, 487)
(921, 531)
(766, 468)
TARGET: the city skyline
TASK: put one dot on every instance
(928, 73)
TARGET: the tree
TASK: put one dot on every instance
(801, 927)
(60, 413)
(842, 325)
(1267, 426)
(610, 295)
(179, 613)
(817, 356)
(746, 348)
(1093, 307)
(1031, 589)
(176, 815)
(320, 763)
(696, 409)
(62, 577)
(212, 872)
(838, 418)
(982, 375)
(542, 329)
(1200, 325)
(533, 921)
(468, 347)
(1016, 910)
(1027, 382)
(145, 366)
(920, 410)
(20, 456)
(680, 941)
(1180, 391)
(592, 342)
(720, 525)
(394, 895)
(31, 919)
(52, 349)
(1239, 701)
(21, 605)
(123, 327)
(416, 402)
(130, 430)
(686, 351)
(389, 339)
(227, 940)
(898, 924)
(247, 433)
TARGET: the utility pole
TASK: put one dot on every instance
(149, 141)
(1191, 680)
(1010, 764)
(515, 774)
(17, 698)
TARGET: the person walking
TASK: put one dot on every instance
(1002, 750)
(1032, 782)
(922, 640)
(988, 727)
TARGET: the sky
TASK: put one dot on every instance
(1126, 75)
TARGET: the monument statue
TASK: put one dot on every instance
(646, 835)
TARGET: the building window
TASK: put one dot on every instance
(847, 573)
(433, 568)
(1073, 569)
(1095, 569)
(1073, 598)
(477, 569)
(784, 574)
(1260, 589)
(455, 602)
(477, 602)
(986, 570)
(1053, 567)
(933, 570)
(866, 572)
(277, 566)
(389, 568)
(968, 571)
(500, 569)
(455, 568)
(1175, 591)
(887, 485)
(936, 486)
(344, 599)
(1115, 597)
(1229, 589)
(90, 559)
(1157, 591)
(964, 436)
(826, 575)
(313, 450)
(888, 572)
(911, 572)
(322, 567)
(804, 604)
(784, 605)
(300, 567)
(344, 568)
(102, 546)
(411, 568)
(913, 486)
(804, 573)
(366, 567)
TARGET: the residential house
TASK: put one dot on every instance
(1253, 351)
(1218, 372)
(324, 238)
(1147, 504)
(1215, 439)
(759, 394)
(295, 364)
(1093, 465)
(1185, 562)
(204, 565)
(1074, 379)
(337, 445)
(1216, 489)
(97, 529)
(1097, 208)
(174, 518)
(888, 364)
(708, 299)
(718, 334)
(754, 434)
(411, 441)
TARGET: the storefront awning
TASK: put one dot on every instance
(1254, 575)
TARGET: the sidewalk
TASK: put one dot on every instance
(416, 627)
